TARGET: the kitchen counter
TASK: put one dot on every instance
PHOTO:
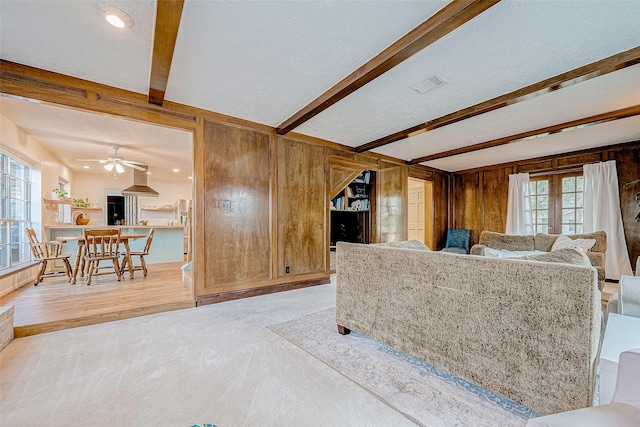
(167, 246)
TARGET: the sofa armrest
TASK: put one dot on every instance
(477, 249)
(597, 260)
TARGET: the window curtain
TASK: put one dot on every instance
(602, 212)
(519, 219)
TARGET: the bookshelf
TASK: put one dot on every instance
(351, 211)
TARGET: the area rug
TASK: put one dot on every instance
(423, 393)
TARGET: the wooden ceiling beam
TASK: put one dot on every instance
(587, 121)
(586, 72)
(446, 20)
(168, 15)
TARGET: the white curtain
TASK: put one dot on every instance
(519, 205)
(602, 212)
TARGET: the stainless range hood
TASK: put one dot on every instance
(140, 187)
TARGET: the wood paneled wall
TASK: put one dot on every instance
(277, 188)
(237, 181)
(479, 196)
(392, 180)
(302, 201)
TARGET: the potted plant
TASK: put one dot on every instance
(57, 193)
(80, 203)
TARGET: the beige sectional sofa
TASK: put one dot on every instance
(526, 330)
(543, 242)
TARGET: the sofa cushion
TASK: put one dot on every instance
(502, 253)
(407, 244)
(563, 256)
(563, 242)
(507, 241)
(544, 241)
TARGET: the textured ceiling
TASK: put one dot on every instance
(72, 37)
(512, 45)
(264, 60)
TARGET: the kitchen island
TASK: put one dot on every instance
(167, 246)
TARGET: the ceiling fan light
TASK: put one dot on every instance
(109, 167)
(119, 168)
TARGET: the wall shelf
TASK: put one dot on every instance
(158, 208)
(53, 203)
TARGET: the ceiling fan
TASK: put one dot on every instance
(116, 162)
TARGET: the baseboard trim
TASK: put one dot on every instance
(94, 319)
(262, 290)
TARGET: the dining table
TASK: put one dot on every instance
(81, 240)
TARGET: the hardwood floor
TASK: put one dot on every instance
(56, 304)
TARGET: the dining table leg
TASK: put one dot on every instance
(79, 256)
(127, 254)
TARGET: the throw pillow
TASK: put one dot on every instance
(563, 242)
(565, 256)
(407, 244)
(502, 253)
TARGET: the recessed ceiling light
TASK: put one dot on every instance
(117, 17)
(190, 177)
(176, 170)
(86, 167)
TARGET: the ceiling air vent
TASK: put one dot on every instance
(429, 84)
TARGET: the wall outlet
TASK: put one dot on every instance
(225, 205)
(287, 269)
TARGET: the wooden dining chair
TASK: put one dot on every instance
(143, 265)
(101, 244)
(45, 252)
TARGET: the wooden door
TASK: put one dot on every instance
(420, 211)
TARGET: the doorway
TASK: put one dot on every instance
(420, 211)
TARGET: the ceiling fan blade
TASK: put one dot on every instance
(90, 160)
(129, 164)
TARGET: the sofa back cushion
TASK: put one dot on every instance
(564, 256)
(407, 244)
(508, 242)
(544, 242)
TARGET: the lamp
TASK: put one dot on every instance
(109, 167)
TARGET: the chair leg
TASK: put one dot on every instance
(67, 269)
(90, 273)
(123, 265)
(144, 265)
(43, 269)
(40, 272)
(116, 268)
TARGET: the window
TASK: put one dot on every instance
(15, 212)
(557, 203)
(572, 204)
(539, 192)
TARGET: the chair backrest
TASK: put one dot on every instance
(458, 238)
(628, 380)
(147, 245)
(39, 251)
(102, 242)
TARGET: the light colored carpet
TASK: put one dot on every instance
(216, 364)
(423, 393)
